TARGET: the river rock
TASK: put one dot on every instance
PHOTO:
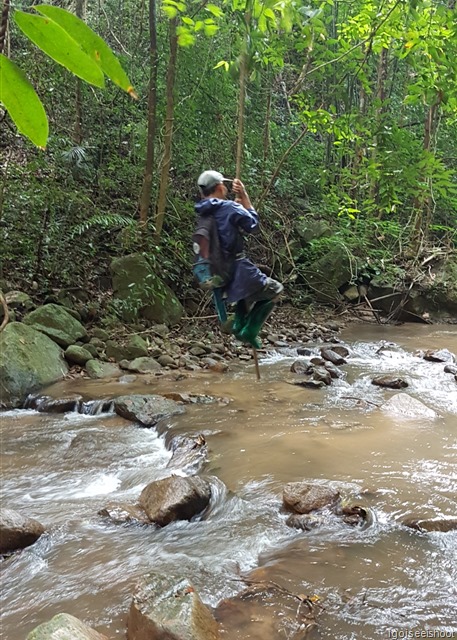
(332, 356)
(333, 371)
(142, 365)
(17, 531)
(267, 611)
(46, 404)
(98, 370)
(303, 521)
(78, 355)
(322, 375)
(63, 626)
(167, 361)
(164, 609)
(189, 453)
(175, 498)
(439, 355)
(59, 325)
(302, 497)
(124, 513)
(309, 382)
(340, 350)
(304, 351)
(404, 406)
(146, 409)
(434, 524)
(450, 368)
(301, 366)
(28, 360)
(390, 381)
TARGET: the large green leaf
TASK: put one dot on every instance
(61, 47)
(95, 47)
(22, 103)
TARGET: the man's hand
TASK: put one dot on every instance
(241, 194)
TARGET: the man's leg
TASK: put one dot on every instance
(261, 305)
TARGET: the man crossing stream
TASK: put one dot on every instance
(253, 292)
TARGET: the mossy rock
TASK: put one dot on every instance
(141, 293)
(28, 360)
(57, 323)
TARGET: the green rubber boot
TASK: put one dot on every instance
(240, 319)
(254, 322)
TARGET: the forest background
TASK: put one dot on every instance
(339, 115)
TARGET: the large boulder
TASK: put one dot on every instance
(63, 626)
(163, 609)
(28, 360)
(146, 409)
(54, 321)
(175, 498)
(17, 531)
(142, 293)
(327, 275)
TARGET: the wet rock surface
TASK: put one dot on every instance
(146, 409)
(391, 382)
(124, 513)
(403, 405)
(302, 497)
(17, 531)
(64, 627)
(165, 609)
(442, 525)
(175, 498)
(267, 611)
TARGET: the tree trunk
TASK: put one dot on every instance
(145, 197)
(241, 107)
(168, 134)
(4, 24)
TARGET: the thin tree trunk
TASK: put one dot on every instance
(168, 134)
(145, 197)
(381, 108)
(241, 107)
(266, 135)
(4, 24)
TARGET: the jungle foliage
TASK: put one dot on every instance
(350, 119)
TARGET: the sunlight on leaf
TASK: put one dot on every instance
(22, 103)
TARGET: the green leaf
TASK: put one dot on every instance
(95, 47)
(170, 12)
(216, 11)
(59, 46)
(210, 29)
(22, 103)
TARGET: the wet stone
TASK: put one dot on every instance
(440, 355)
(333, 371)
(17, 531)
(309, 383)
(301, 366)
(390, 382)
(64, 627)
(450, 368)
(319, 362)
(124, 514)
(146, 409)
(303, 497)
(442, 525)
(175, 498)
(322, 375)
(340, 350)
(167, 609)
(332, 356)
(304, 351)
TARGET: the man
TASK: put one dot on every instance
(253, 291)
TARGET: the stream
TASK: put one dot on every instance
(382, 581)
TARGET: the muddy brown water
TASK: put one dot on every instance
(372, 583)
